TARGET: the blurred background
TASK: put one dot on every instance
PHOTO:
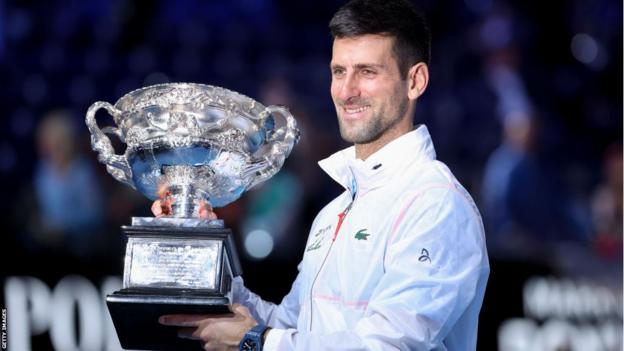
(524, 105)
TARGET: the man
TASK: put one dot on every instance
(397, 261)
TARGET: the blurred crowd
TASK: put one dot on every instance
(525, 105)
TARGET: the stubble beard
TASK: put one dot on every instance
(372, 129)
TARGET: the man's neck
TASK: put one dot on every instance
(363, 151)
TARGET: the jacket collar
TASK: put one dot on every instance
(358, 176)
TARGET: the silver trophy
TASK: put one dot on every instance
(195, 143)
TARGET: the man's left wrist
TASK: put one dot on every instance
(253, 340)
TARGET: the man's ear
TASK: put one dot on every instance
(417, 80)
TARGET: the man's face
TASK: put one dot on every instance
(369, 93)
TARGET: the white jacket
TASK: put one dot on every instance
(406, 270)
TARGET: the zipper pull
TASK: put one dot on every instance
(341, 217)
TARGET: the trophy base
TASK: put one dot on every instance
(136, 318)
(171, 270)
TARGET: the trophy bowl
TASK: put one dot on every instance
(200, 142)
(195, 143)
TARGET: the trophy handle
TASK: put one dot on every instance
(281, 142)
(116, 165)
(286, 136)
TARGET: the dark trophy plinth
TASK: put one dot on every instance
(171, 270)
(188, 144)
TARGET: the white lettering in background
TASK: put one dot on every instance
(524, 334)
(32, 309)
(575, 316)
(545, 297)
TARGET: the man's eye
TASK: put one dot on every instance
(368, 72)
(338, 71)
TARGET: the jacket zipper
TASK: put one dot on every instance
(341, 217)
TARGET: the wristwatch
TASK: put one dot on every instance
(253, 339)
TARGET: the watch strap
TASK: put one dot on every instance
(255, 336)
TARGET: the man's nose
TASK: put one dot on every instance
(350, 87)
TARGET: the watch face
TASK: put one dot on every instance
(249, 345)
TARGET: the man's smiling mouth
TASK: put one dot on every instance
(354, 110)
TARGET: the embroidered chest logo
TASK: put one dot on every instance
(317, 239)
(424, 256)
(362, 234)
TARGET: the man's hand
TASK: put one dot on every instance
(162, 206)
(216, 332)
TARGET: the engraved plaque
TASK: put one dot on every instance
(172, 263)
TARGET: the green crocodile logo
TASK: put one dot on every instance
(361, 234)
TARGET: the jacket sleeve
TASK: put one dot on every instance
(283, 315)
(435, 265)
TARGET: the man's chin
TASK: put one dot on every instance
(346, 136)
(356, 138)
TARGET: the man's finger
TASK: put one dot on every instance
(205, 211)
(162, 191)
(189, 333)
(219, 316)
(157, 208)
(206, 214)
(162, 207)
(182, 320)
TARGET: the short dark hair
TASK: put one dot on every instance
(397, 18)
